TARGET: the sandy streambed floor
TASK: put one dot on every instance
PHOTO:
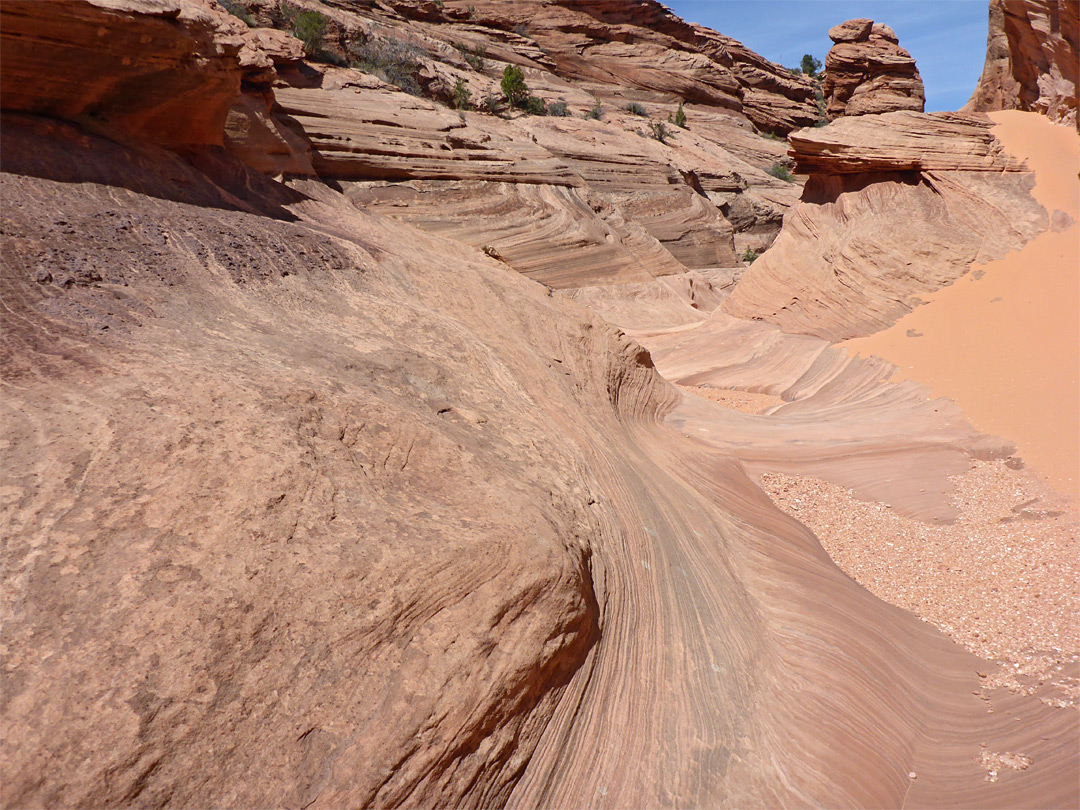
(1001, 580)
(743, 401)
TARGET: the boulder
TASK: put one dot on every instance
(851, 31)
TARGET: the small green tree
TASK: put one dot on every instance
(810, 65)
(461, 96)
(680, 117)
(596, 113)
(513, 85)
(309, 27)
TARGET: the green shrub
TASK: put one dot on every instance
(474, 58)
(534, 105)
(659, 131)
(680, 117)
(781, 172)
(392, 60)
(596, 113)
(460, 97)
(513, 86)
(559, 109)
(635, 109)
(309, 27)
(238, 11)
(749, 255)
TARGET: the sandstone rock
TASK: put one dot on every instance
(849, 267)
(361, 128)
(885, 32)
(307, 506)
(902, 141)
(837, 270)
(263, 140)
(867, 72)
(851, 31)
(1032, 58)
(646, 47)
(368, 519)
(166, 71)
(562, 237)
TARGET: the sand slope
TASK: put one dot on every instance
(1003, 341)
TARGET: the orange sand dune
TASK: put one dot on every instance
(1004, 341)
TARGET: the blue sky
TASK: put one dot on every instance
(946, 37)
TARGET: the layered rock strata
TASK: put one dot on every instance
(844, 264)
(304, 505)
(705, 194)
(867, 72)
(1032, 59)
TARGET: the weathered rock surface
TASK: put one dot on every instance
(562, 237)
(365, 130)
(351, 508)
(867, 72)
(1032, 59)
(845, 264)
(902, 142)
(306, 506)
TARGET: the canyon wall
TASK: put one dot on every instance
(1032, 59)
(313, 498)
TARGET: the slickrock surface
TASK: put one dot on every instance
(845, 265)
(563, 237)
(306, 509)
(867, 72)
(311, 499)
(1032, 59)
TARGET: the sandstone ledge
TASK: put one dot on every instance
(902, 141)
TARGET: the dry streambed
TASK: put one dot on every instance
(1001, 580)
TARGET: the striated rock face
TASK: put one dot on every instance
(902, 142)
(311, 499)
(867, 72)
(364, 519)
(1032, 59)
(695, 201)
(845, 264)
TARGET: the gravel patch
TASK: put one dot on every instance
(1002, 580)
